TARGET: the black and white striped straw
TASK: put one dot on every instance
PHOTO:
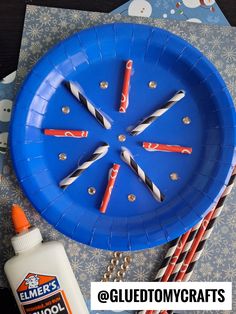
(210, 227)
(159, 112)
(98, 154)
(185, 251)
(172, 247)
(218, 209)
(127, 157)
(74, 89)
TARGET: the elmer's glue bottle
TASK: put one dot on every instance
(40, 274)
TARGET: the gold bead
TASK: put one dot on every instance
(152, 84)
(174, 176)
(124, 266)
(122, 138)
(186, 120)
(120, 273)
(128, 259)
(65, 109)
(91, 190)
(117, 254)
(103, 84)
(131, 197)
(62, 156)
(107, 275)
(114, 261)
(110, 268)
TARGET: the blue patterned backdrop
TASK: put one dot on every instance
(186, 10)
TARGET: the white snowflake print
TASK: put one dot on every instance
(75, 263)
(230, 70)
(229, 273)
(24, 42)
(232, 86)
(216, 42)
(83, 276)
(210, 55)
(229, 53)
(141, 274)
(24, 55)
(74, 16)
(98, 255)
(74, 249)
(91, 269)
(34, 32)
(193, 38)
(139, 260)
(219, 64)
(44, 19)
(32, 9)
(36, 47)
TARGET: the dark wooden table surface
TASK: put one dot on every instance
(12, 18)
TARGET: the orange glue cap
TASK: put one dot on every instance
(19, 219)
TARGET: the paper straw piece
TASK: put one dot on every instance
(184, 252)
(200, 247)
(194, 246)
(175, 256)
(98, 154)
(66, 133)
(111, 182)
(74, 89)
(168, 256)
(126, 86)
(152, 147)
(210, 227)
(127, 157)
(218, 209)
(159, 112)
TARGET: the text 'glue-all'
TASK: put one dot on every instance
(40, 275)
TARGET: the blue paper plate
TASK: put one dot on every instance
(99, 54)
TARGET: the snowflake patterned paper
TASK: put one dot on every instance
(41, 33)
(6, 98)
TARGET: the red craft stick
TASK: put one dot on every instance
(66, 133)
(194, 246)
(167, 148)
(112, 178)
(125, 90)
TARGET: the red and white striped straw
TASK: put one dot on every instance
(216, 213)
(167, 148)
(175, 256)
(172, 262)
(194, 246)
(195, 250)
(126, 86)
(111, 182)
(65, 133)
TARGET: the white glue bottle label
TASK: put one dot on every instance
(40, 274)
